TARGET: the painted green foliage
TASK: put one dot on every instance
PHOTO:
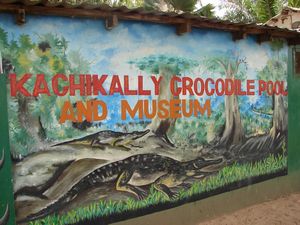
(166, 66)
(47, 56)
(275, 70)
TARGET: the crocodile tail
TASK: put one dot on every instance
(66, 142)
(91, 137)
(52, 208)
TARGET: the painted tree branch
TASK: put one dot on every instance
(233, 132)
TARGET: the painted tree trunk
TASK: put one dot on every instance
(234, 131)
(31, 124)
(161, 126)
(280, 117)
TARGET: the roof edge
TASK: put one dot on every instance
(123, 13)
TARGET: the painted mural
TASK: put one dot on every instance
(109, 125)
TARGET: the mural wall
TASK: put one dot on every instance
(109, 125)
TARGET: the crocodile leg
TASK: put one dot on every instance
(98, 144)
(163, 184)
(122, 185)
(165, 190)
(122, 144)
(186, 185)
(202, 174)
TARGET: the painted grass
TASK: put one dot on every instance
(224, 177)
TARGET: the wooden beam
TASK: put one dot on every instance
(111, 22)
(183, 24)
(294, 41)
(183, 28)
(238, 35)
(276, 32)
(263, 38)
(20, 17)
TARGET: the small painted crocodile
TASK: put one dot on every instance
(161, 171)
(108, 138)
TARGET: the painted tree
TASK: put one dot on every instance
(165, 66)
(232, 66)
(32, 119)
(8, 50)
(276, 69)
(3, 51)
(52, 59)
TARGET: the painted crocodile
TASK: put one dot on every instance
(108, 138)
(161, 171)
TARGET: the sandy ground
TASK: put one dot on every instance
(285, 211)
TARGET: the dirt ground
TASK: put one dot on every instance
(285, 211)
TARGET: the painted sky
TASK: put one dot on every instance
(109, 51)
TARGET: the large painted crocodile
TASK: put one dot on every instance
(161, 171)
